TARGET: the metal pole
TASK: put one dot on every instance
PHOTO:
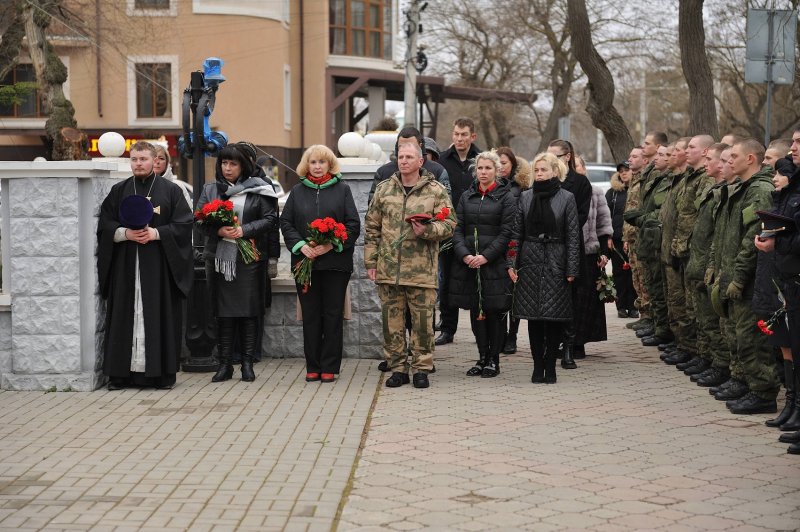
(410, 88)
(770, 60)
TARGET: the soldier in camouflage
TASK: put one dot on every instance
(402, 256)
(735, 278)
(636, 162)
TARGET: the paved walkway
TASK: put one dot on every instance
(622, 443)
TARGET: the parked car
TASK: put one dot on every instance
(600, 175)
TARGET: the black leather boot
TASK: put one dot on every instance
(225, 328)
(793, 423)
(567, 362)
(249, 336)
(550, 368)
(789, 406)
(511, 344)
(538, 368)
(492, 366)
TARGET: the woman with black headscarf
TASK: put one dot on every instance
(238, 289)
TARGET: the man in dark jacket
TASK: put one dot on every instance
(456, 160)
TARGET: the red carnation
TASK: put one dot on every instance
(626, 266)
(442, 215)
(511, 254)
(512, 244)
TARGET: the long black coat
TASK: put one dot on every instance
(542, 292)
(493, 215)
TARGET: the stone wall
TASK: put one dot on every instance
(363, 337)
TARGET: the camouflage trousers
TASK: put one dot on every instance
(642, 299)
(420, 303)
(679, 311)
(711, 346)
(654, 280)
(753, 351)
(728, 357)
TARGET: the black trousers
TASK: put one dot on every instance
(545, 337)
(323, 320)
(623, 279)
(449, 314)
(490, 333)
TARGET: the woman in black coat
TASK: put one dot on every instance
(543, 260)
(237, 289)
(486, 212)
(616, 196)
(321, 193)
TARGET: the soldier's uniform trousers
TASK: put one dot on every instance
(637, 272)
(710, 344)
(753, 351)
(680, 322)
(654, 278)
(420, 303)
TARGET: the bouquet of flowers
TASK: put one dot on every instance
(605, 287)
(424, 219)
(320, 232)
(766, 326)
(219, 213)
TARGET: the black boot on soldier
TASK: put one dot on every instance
(789, 405)
(225, 327)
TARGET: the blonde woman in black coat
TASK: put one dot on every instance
(543, 260)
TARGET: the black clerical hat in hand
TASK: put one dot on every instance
(135, 212)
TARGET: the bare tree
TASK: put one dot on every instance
(600, 82)
(12, 30)
(696, 70)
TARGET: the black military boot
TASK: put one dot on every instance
(753, 404)
(689, 363)
(225, 327)
(733, 391)
(702, 367)
(538, 368)
(789, 406)
(714, 377)
(567, 362)
(249, 337)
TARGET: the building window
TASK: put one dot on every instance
(361, 27)
(152, 8)
(287, 97)
(151, 4)
(153, 88)
(24, 101)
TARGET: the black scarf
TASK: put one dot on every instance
(541, 219)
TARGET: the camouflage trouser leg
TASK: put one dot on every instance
(654, 278)
(753, 351)
(420, 303)
(679, 321)
(690, 330)
(710, 344)
(731, 357)
(637, 271)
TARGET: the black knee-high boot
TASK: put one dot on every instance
(248, 340)
(789, 406)
(225, 328)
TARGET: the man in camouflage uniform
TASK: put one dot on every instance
(687, 197)
(636, 163)
(648, 247)
(734, 278)
(402, 257)
(711, 346)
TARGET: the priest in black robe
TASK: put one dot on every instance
(144, 273)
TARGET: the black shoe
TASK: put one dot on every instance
(793, 423)
(642, 324)
(790, 437)
(677, 357)
(667, 346)
(793, 448)
(790, 405)
(622, 313)
(116, 383)
(724, 386)
(681, 366)
(384, 366)
(633, 313)
(224, 373)
(475, 370)
(753, 404)
(420, 380)
(702, 375)
(511, 345)
(644, 333)
(651, 341)
(490, 370)
(734, 391)
(566, 358)
(247, 370)
(397, 379)
(578, 352)
(702, 367)
(715, 377)
(443, 338)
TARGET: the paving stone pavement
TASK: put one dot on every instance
(275, 454)
(624, 442)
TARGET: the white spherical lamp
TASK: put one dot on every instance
(366, 150)
(350, 144)
(111, 144)
(376, 152)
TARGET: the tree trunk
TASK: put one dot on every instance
(600, 82)
(12, 30)
(696, 70)
(562, 73)
(51, 75)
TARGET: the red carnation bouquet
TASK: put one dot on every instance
(424, 219)
(767, 327)
(320, 232)
(219, 213)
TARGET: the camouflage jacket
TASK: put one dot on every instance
(703, 231)
(687, 199)
(669, 215)
(736, 252)
(390, 245)
(632, 203)
(645, 218)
